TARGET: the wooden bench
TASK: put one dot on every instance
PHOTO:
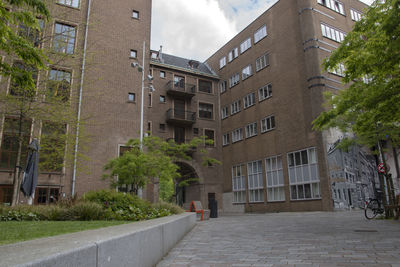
(195, 206)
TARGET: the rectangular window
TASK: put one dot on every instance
(235, 107)
(222, 86)
(59, 85)
(233, 80)
(52, 146)
(237, 135)
(64, 38)
(9, 145)
(224, 112)
(249, 100)
(238, 184)
(355, 15)
(255, 181)
(332, 33)
(205, 111)
(162, 127)
(246, 72)
(222, 62)
(150, 99)
(225, 139)
(205, 86)
(262, 62)
(162, 99)
(265, 92)
(133, 54)
(303, 174)
(196, 131)
(275, 181)
(251, 130)
(22, 70)
(7, 195)
(179, 81)
(135, 14)
(162, 74)
(131, 97)
(71, 3)
(339, 70)
(334, 5)
(233, 54)
(209, 134)
(42, 195)
(260, 34)
(31, 34)
(268, 124)
(246, 44)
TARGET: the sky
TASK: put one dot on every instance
(195, 29)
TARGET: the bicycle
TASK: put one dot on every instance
(373, 208)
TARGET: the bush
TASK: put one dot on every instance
(174, 209)
(86, 211)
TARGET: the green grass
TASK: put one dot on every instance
(13, 231)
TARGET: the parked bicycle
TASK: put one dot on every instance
(373, 207)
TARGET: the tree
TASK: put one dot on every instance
(158, 159)
(370, 54)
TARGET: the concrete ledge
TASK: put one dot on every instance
(135, 244)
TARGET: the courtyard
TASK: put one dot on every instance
(342, 238)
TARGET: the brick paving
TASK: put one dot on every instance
(289, 239)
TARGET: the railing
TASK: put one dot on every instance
(181, 87)
(179, 114)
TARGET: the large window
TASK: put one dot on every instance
(262, 62)
(22, 70)
(205, 86)
(238, 184)
(234, 79)
(246, 44)
(237, 135)
(64, 38)
(275, 182)
(268, 124)
(249, 100)
(234, 53)
(59, 85)
(246, 72)
(205, 111)
(71, 3)
(256, 185)
(31, 34)
(355, 15)
(9, 145)
(251, 130)
(265, 92)
(260, 33)
(303, 174)
(235, 107)
(332, 33)
(222, 62)
(334, 5)
(52, 147)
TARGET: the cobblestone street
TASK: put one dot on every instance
(290, 239)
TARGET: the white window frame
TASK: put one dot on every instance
(249, 100)
(234, 53)
(234, 80)
(332, 33)
(222, 62)
(260, 34)
(237, 135)
(334, 5)
(235, 107)
(275, 179)
(265, 92)
(268, 124)
(355, 14)
(262, 62)
(224, 112)
(339, 70)
(70, 3)
(222, 86)
(245, 45)
(251, 130)
(225, 139)
(255, 181)
(238, 184)
(247, 72)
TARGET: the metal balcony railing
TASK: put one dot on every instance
(181, 116)
(181, 88)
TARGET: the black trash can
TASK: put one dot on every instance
(213, 208)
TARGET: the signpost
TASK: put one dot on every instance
(381, 168)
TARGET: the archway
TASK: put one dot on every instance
(184, 186)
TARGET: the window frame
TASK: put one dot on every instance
(222, 62)
(237, 135)
(275, 178)
(238, 184)
(60, 2)
(266, 88)
(212, 111)
(255, 181)
(259, 34)
(135, 16)
(245, 45)
(249, 100)
(65, 42)
(264, 58)
(251, 130)
(272, 121)
(247, 72)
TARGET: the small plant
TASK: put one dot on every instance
(174, 209)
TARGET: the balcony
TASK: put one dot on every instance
(180, 89)
(181, 117)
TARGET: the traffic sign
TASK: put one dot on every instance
(381, 168)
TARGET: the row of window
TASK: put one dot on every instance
(267, 124)
(304, 182)
(244, 46)
(339, 8)
(248, 101)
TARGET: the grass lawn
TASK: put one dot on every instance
(13, 231)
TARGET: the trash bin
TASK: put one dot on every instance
(213, 208)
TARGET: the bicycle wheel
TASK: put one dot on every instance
(372, 209)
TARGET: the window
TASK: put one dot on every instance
(196, 131)
(31, 34)
(162, 127)
(265, 92)
(303, 174)
(334, 5)
(222, 86)
(22, 70)
(355, 15)
(237, 135)
(59, 85)
(262, 62)
(42, 196)
(149, 127)
(64, 38)
(238, 184)
(225, 139)
(153, 54)
(71, 3)
(163, 99)
(205, 86)
(235, 107)
(234, 79)
(209, 134)
(246, 72)
(246, 44)
(224, 112)
(233, 54)
(267, 124)
(179, 81)
(205, 111)
(331, 33)
(340, 70)
(260, 33)
(255, 181)
(52, 146)
(150, 99)
(131, 97)
(275, 182)
(249, 100)
(162, 74)
(54, 193)
(133, 54)
(135, 14)
(9, 145)
(251, 130)
(7, 196)
(222, 62)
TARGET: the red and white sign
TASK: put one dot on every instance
(381, 168)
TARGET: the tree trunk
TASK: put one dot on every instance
(17, 168)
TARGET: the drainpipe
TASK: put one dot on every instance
(80, 101)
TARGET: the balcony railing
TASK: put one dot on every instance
(181, 117)
(180, 89)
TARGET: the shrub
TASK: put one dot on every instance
(86, 211)
(174, 209)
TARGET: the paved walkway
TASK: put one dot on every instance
(290, 239)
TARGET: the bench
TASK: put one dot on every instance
(195, 206)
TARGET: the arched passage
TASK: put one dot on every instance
(186, 184)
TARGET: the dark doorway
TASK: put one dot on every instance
(179, 108)
(179, 135)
